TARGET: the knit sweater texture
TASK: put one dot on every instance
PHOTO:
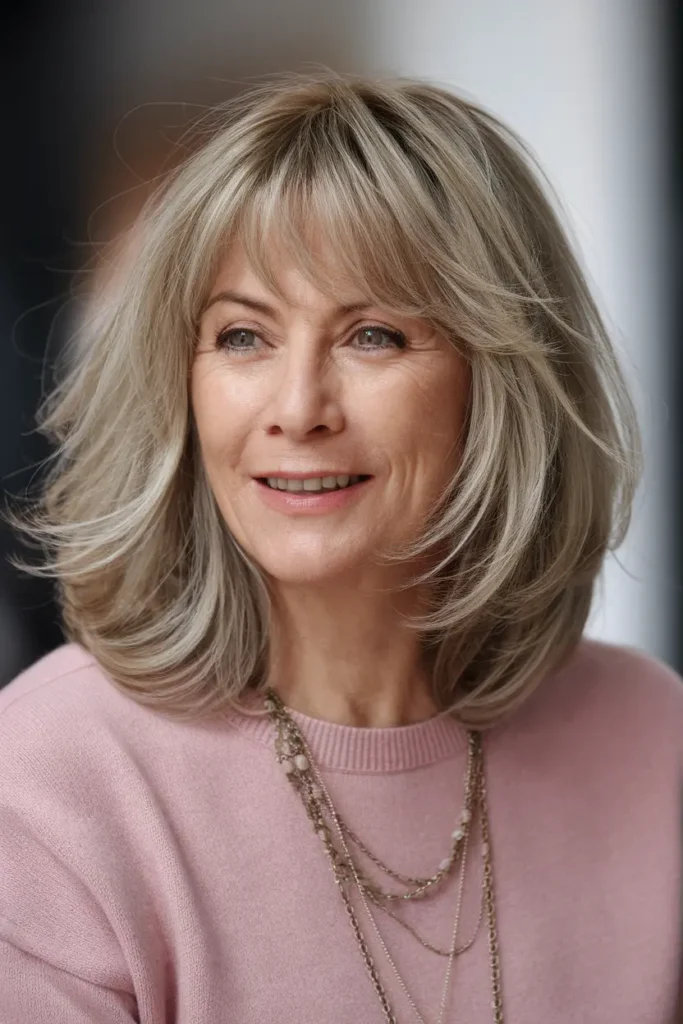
(167, 873)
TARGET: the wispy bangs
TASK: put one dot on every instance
(335, 204)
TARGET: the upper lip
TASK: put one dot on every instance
(307, 476)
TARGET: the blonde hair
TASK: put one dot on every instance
(430, 206)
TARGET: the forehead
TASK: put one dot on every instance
(285, 281)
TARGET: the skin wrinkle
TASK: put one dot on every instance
(310, 398)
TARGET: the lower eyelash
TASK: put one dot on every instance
(222, 336)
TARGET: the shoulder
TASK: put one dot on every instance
(55, 671)
(63, 719)
(637, 681)
(67, 726)
(617, 697)
(62, 694)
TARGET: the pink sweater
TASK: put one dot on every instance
(157, 872)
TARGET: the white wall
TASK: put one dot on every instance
(579, 81)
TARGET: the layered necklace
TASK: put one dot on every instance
(294, 755)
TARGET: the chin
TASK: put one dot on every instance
(307, 573)
(311, 566)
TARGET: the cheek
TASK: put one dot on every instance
(219, 418)
(449, 400)
(428, 418)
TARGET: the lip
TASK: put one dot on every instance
(302, 503)
(308, 475)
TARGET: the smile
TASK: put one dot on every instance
(313, 483)
(313, 495)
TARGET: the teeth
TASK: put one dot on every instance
(317, 483)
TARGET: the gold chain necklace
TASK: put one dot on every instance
(377, 895)
(295, 756)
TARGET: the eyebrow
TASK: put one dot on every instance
(263, 307)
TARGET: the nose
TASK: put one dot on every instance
(306, 397)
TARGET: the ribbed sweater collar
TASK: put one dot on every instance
(357, 749)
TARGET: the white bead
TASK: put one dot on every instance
(458, 834)
(301, 761)
(444, 864)
(485, 849)
(316, 792)
(287, 767)
(269, 706)
(465, 816)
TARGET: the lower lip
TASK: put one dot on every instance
(310, 502)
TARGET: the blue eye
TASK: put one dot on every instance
(370, 338)
(238, 339)
(379, 337)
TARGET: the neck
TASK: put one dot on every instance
(344, 655)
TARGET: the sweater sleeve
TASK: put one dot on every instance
(33, 989)
(62, 932)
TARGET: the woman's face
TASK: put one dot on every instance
(294, 400)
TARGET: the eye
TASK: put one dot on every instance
(375, 337)
(237, 339)
(370, 338)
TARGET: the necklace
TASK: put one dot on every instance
(294, 754)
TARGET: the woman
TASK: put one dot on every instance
(335, 479)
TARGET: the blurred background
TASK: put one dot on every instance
(96, 99)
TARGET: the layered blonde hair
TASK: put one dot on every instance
(431, 207)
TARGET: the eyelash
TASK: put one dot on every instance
(397, 337)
